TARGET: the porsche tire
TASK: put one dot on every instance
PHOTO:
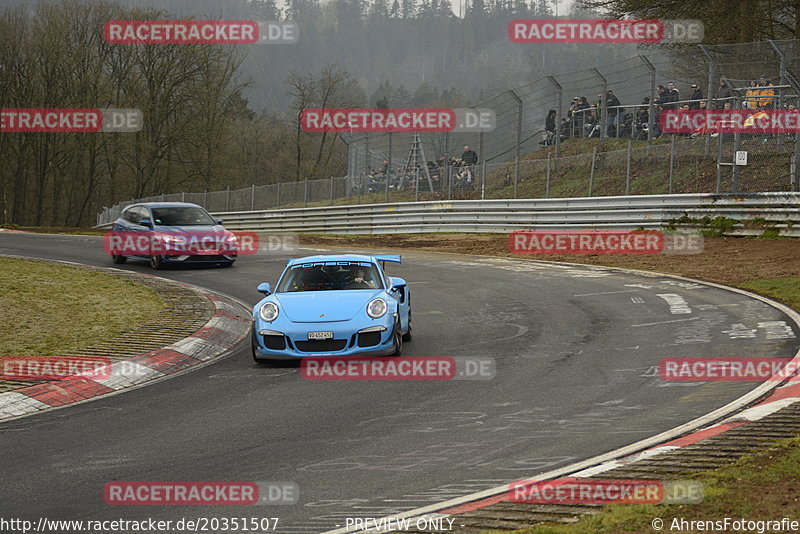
(156, 262)
(407, 336)
(398, 340)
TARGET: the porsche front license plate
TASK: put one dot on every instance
(320, 335)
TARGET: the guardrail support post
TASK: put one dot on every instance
(517, 152)
(591, 174)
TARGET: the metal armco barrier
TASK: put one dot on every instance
(780, 210)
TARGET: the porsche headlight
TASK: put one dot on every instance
(269, 311)
(377, 308)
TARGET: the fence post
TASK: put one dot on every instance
(712, 74)
(449, 177)
(278, 195)
(719, 160)
(603, 106)
(388, 169)
(782, 76)
(628, 170)
(228, 200)
(671, 162)
(205, 198)
(483, 180)
(796, 164)
(560, 93)
(183, 196)
(305, 192)
(331, 191)
(366, 153)
(416, 182)
(735, 169)
(547, 180)
(651, 108)
(517, 152)
(480, 155)
(253, 197)
(591, 175)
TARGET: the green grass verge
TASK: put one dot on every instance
(51, 309)
(757, 486)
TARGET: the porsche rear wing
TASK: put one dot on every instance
(392, 258)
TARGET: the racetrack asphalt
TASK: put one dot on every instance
(576, 350)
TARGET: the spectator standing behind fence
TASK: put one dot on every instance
(640, 122)
(469, 156)
(767, 95)
(580, 115)
(572, 115)
(613, 112)
(751, 95)
(549, 128)
(697, 94)
(662, 102)
(724, 93)
(674, 95)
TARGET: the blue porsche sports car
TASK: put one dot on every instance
(332, 305)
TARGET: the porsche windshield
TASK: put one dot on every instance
(322, 276)
(182, 216)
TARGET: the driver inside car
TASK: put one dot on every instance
(363, 279)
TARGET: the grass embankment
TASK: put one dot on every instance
(51, 309)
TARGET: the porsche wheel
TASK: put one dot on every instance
(398, 340)
(118, 259)
(407, 336)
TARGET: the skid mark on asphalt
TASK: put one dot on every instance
(254, 373)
